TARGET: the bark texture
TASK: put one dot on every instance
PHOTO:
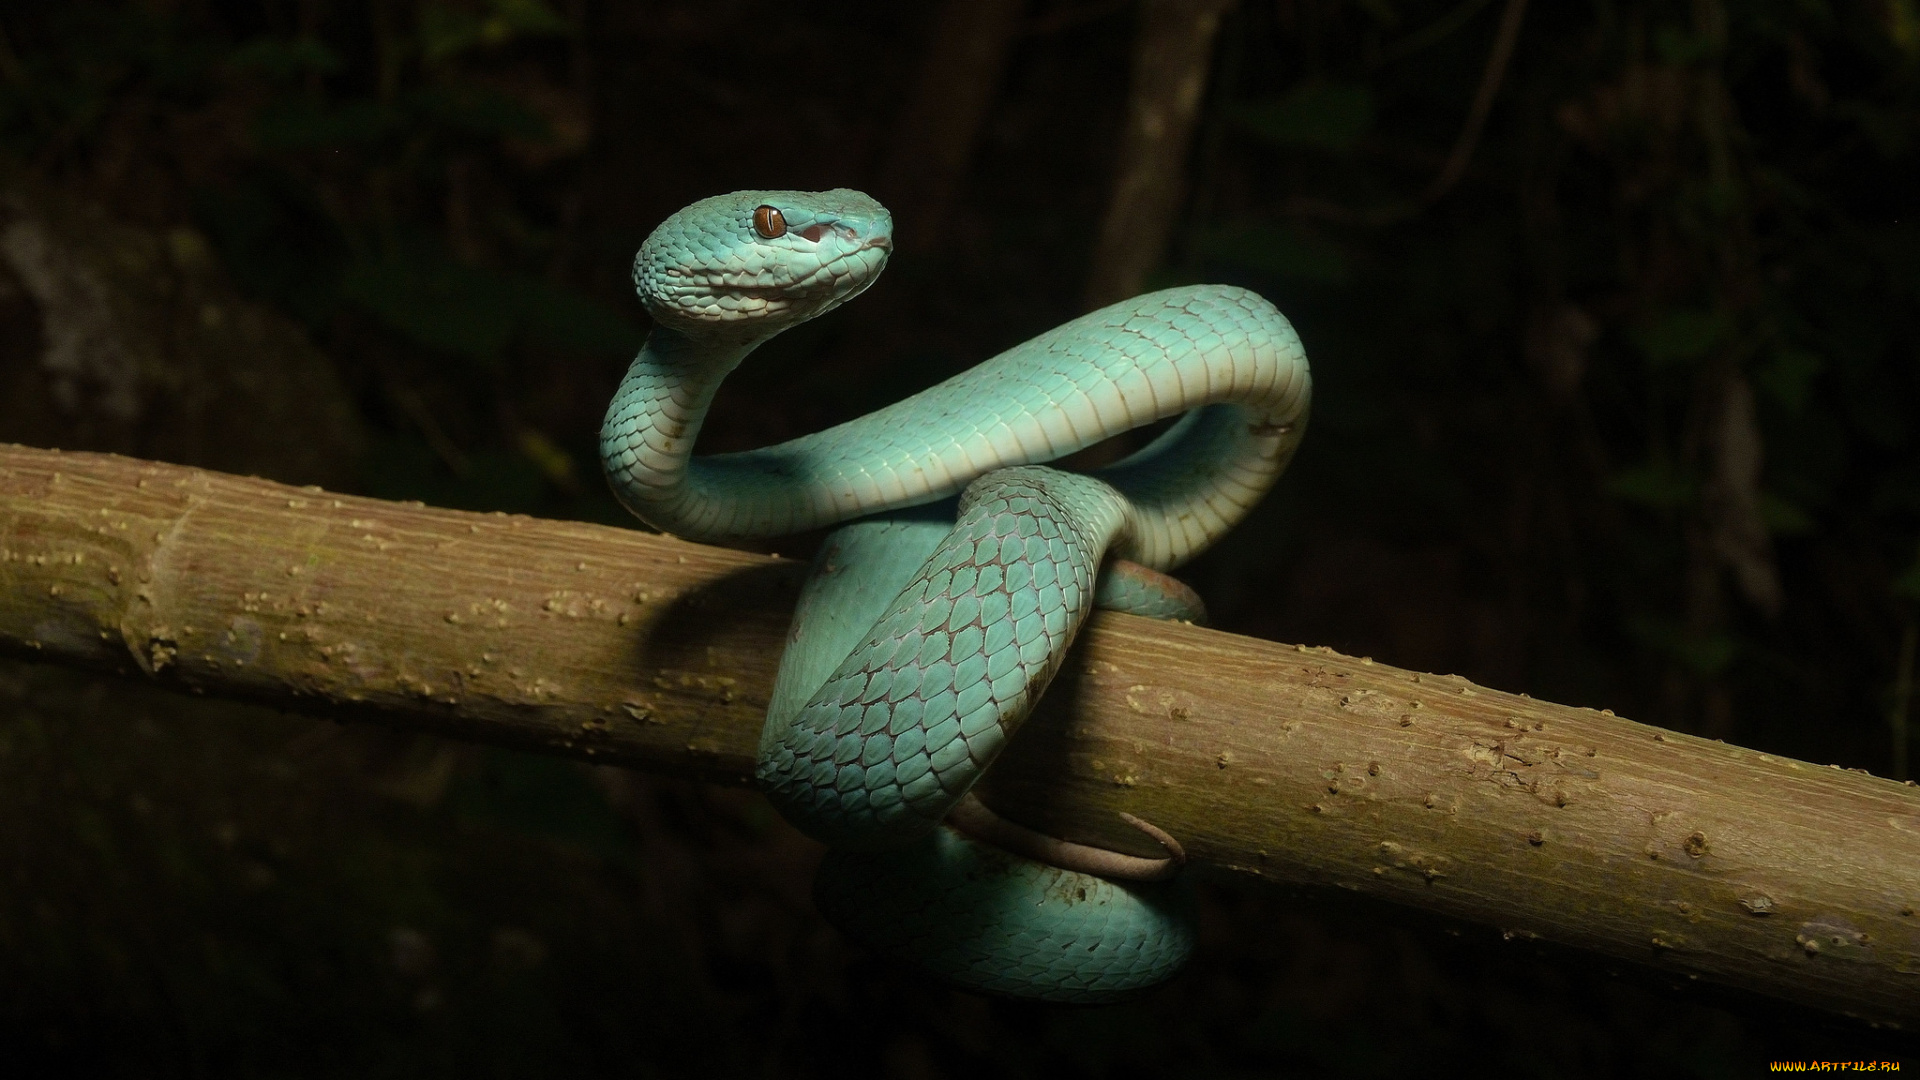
(1289, 763)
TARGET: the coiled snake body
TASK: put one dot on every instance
(927, 629)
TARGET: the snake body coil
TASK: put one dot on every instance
(928, 630)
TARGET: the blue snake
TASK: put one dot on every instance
(929, 626)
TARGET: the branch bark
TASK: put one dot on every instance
(1291, 764)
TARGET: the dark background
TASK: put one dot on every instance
(1622, 416)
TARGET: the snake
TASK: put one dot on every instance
(959, 570)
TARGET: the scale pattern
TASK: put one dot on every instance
(909, 721)
(1148, 593)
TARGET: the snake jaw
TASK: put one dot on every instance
(706, 271)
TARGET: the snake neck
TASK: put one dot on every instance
(646, 441)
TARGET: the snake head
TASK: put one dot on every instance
(752, 263)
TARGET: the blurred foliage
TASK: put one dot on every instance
(1312, 117)
(1623, 417)
(252, 895)
(1659, 344)
(349, 166)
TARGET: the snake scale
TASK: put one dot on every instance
(929, 626)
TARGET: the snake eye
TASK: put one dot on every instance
(769, 222)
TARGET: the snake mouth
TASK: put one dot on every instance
(865, 261)
(817, 232)
(727, 298)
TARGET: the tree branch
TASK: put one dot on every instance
(1291, 764)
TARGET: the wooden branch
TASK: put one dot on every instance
(1291, 764)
